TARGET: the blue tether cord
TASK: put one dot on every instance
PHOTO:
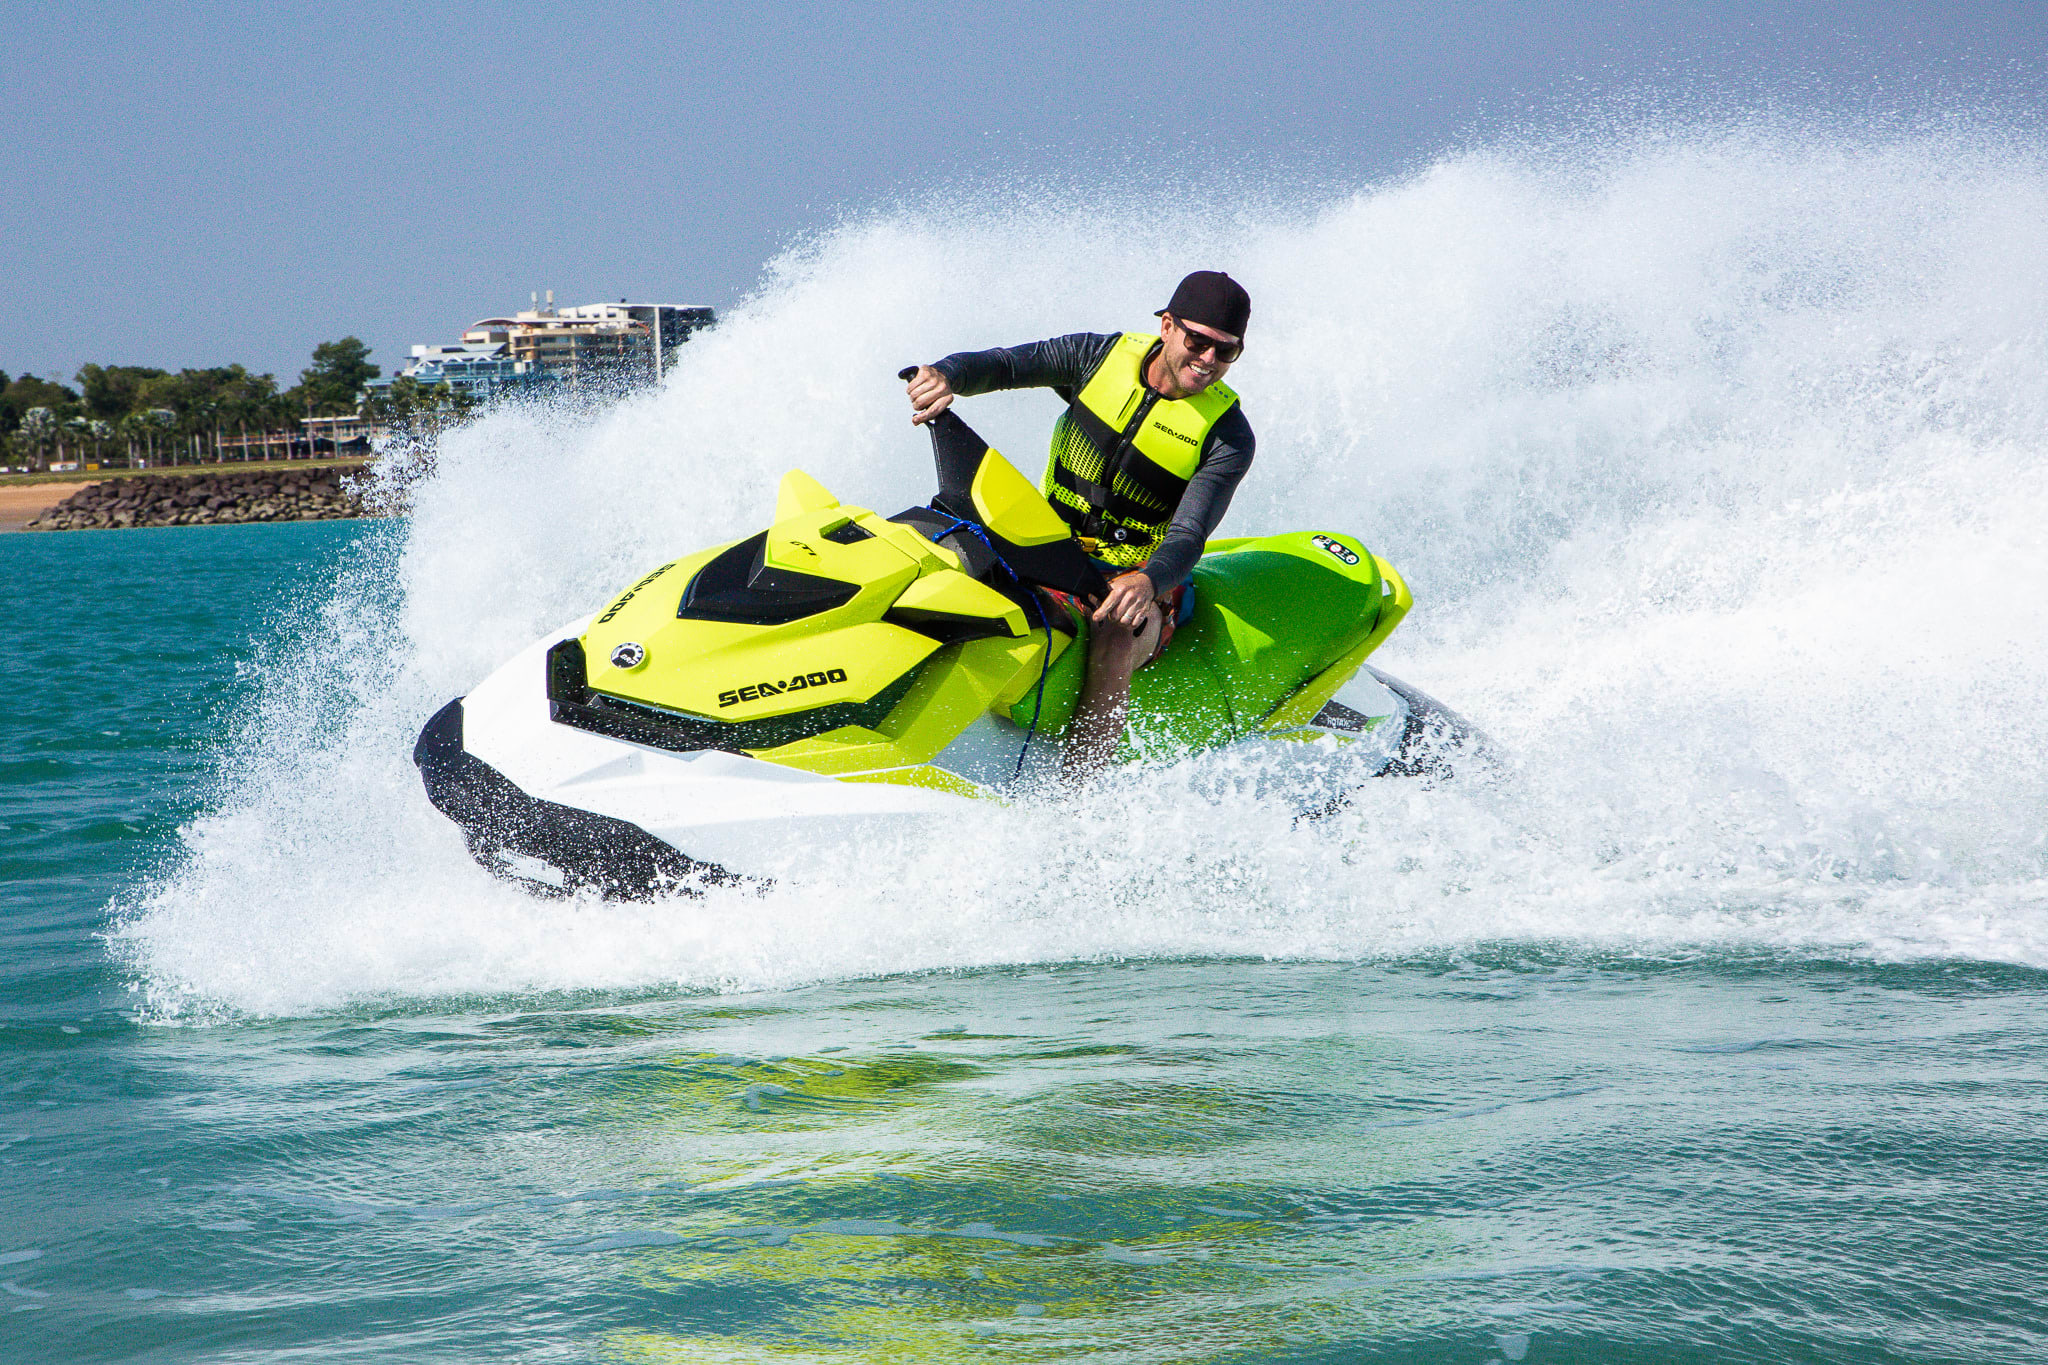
(980, 533)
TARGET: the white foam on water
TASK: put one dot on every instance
(1715, 458)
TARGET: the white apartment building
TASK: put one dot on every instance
(593, 342)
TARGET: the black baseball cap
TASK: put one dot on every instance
(1213, 299)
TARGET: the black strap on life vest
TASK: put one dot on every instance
(1103, 532)
(1120, 457)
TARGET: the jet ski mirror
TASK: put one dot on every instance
(1032, 549)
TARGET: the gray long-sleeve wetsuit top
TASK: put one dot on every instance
(1063, 365)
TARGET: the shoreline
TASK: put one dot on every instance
(23, 503)
(75, 477)
(26, 497)
(295, 492)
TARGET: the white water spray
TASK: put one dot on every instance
(1715, 461)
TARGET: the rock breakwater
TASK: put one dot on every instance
(213, 499)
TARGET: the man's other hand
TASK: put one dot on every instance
(930, 394)
(1129, 598)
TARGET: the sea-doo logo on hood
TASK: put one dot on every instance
(633, 592)
(756, 691)
(1334, 549)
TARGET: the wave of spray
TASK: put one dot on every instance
(1715, 460)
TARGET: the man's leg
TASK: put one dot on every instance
(1114, 653)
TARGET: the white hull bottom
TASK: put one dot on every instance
(561, 808)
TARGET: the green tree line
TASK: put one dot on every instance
(135, 413)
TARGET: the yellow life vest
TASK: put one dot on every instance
(1122, 454)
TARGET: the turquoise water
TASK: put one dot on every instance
(1532, 1153)
(1710, 1028)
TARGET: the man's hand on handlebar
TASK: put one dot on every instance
(930, 394)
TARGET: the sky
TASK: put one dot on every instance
(203, 183)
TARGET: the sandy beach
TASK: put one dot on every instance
(21, 504)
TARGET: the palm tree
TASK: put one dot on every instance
(162, 422)
(39, 428)
(134, 429)
(200, 417)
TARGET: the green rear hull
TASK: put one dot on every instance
(1275, 620)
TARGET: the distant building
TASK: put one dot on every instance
(475, 369)
(351, 434)
(613, 345)
(608, 343)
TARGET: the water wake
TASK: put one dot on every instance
(1715, 459)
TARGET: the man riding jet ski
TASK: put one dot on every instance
(740, 711)
(1144, 462)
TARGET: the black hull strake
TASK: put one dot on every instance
(615, 858)
(572, 702)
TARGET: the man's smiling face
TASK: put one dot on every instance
(1194, 356)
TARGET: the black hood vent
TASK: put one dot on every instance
(738, 586)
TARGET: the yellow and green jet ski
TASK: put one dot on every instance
(842, 673)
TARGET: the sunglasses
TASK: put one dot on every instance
(1226, 351)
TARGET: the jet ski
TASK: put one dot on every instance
(842, 676)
